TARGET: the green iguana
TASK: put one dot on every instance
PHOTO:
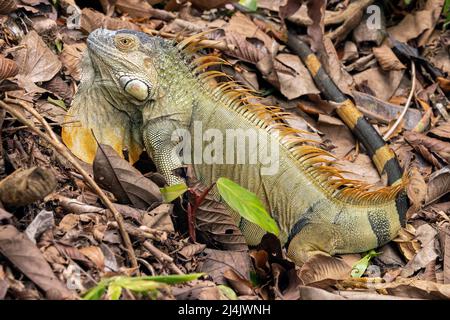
(136, 90)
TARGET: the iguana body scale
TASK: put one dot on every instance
(149, 90)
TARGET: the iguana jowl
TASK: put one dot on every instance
(136, 90)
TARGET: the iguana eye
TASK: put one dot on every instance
(125, 43)
(135, 87)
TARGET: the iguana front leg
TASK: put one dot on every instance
(161, 146)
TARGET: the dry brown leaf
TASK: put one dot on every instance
(297, 81)
(94, 254)
(417, 188)
(436, 146)
(242, 25)
(442, 131)
(381, 83)
(73, 253)
(413, 288)
(322, 267)
(418, 23)
(407, 243)
(159, 218)
(8, 68)
(191, 250)
(142, 9)
(438, 185)
(24, 254)
(71, 59)
(214, 224)
(311, 293)
(91, 20)
(118, 176)
(446, 254)
(426, 235)
(23, 187)
(36, 61)
(197, 290)
(387, 58)
(69, 222)
(240, 285)
(216, 262)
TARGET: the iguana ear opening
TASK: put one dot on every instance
(90, 114)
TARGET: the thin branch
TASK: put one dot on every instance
(162, 257)
(51, 138)
(408, 102)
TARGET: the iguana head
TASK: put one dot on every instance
(119, 78)
(124, 57)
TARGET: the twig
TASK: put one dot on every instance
(408, 102)
(162, 257)
(51, 138)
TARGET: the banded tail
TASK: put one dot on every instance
(380, 153)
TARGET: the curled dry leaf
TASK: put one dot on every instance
(407, 243)
(323, 267)
(438, 185)
(8, 68)
(442, 131)
(417, 188)
(240, 285)
(118, 176)
(191, 250)
(94, 254)
(23, 187)
(7, 6)
(387, 58)
(436, 146)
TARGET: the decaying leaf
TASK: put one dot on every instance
(36, 61)
(214, 223)
(117, 175)
(417, 188)
(71, 59)
(24, 254)
(387, 59)
(322, 267)
(438, 185)
(216, 262)
(435, 146)
(26, 186)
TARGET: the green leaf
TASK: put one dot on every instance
(59, 45)
(251, 5)
(360, 267)
(174, 278)
(114, 291)
(227, 292)
(170, 193)
(57, 102)
(247, 204)
(96, 292)
(137, 284)
(145, 284)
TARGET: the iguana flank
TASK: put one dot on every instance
(137, 90)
